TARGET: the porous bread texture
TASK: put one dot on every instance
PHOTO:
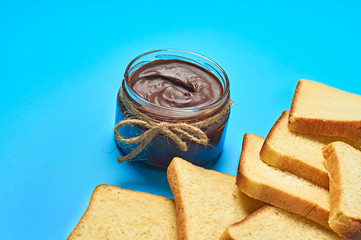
(269, 223)
(285, 190)
(300, 154)
(321, 109)
(207, 201)
(344, 165)
(114, 213)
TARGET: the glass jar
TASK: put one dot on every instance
(162, 149)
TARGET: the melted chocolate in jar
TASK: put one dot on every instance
(176, 84)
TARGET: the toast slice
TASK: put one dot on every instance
(344, 166)
(297, 153)
(321, 109)
(206, 201)
(270, 223)
(261, 181)
(115, 213)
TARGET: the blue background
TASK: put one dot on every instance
(61, 65)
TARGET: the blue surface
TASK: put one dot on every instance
(61, 65)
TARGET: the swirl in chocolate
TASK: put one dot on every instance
(176, 84)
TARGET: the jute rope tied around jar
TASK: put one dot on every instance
(179, 132)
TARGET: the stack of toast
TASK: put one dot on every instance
(310, 162)
(302, 182)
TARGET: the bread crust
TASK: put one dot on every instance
(285, 201)
(324, 127)
(340, 222)
(277, 197)
(293, 165)
(181, 219)
(320, 126)
(289, 163)
(346, 226)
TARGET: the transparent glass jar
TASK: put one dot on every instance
(162, 149)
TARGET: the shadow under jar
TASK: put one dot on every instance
(174, 86)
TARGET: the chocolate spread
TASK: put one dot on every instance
(174, 83)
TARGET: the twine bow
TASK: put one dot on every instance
(178, 132)
(175, 131)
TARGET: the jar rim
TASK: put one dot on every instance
(220, 101)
